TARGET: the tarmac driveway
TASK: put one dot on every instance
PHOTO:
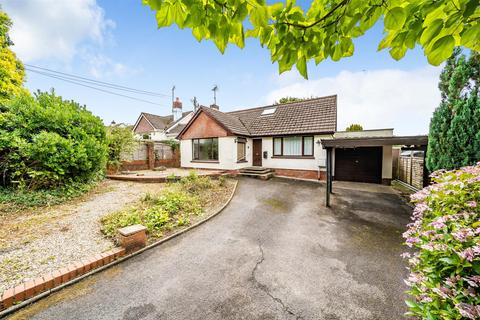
(275, 253)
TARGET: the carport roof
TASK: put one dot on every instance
(375, 141)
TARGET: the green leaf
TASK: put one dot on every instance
(411, 304)
(302, 66)
(241, 12)
(398, 53)
(395, 18)
(259, 16)
(170, 13)
(155, 4)
(441, 50)
(431, 32)
(470, 37)
(199, 33)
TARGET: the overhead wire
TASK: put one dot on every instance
(88, 86)
(95, 82)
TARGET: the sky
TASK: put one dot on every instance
(119, 42)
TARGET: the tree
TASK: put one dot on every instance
(354, 127)
(454, 137)
(47, 142)
(12, 72)
(289, 99)
(120, 141)
(326, 30)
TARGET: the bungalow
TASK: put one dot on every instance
(286, 138)
(154, 127)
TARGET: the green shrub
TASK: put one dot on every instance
(155, 219)
(159, 213)
(14, 199)
(445, 270)
(121, 141)
(47, 142)
(111, 222)
(194, 183)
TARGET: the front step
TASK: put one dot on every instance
(257, 172)
(264, 176)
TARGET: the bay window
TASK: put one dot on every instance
(293, 146)
(205, 149)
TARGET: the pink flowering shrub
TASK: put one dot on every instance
(445, 235)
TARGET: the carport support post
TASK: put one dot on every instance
(329, 176)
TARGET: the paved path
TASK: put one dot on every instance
(274, 253)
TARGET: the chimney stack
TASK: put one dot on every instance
(214, 106)
(177, 109)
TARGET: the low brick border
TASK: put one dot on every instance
(154, 179)
(54, 281)
(48, 281)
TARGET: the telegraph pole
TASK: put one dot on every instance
(173, 96)
(215, 88)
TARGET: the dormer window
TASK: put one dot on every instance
(270, 111)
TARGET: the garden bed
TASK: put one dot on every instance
(179, 205)
(34, 242)
(38, 240)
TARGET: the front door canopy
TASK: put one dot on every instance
(375, 141)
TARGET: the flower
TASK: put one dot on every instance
(438, 224)
(471, 204)
(462, 234)
(467, 254)
(469, 311)
(442, 292)
(411, 241)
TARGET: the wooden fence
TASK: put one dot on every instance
(411, 170)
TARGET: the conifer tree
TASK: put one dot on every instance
(454, 137)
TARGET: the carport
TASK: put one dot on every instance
(367, 148)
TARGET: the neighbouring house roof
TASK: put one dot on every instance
(176, 130)
(184, 114)
(317, 115)
(158, 122)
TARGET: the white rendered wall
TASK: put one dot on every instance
(227, 155)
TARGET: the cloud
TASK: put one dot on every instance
(389, 98)
(101, 66)
(44, 29)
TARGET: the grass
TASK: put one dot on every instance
(14, 200)
(175, 207)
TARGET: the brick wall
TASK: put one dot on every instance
(147, 155)
(303, 174)
(204, 127)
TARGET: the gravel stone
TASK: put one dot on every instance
(74, 236)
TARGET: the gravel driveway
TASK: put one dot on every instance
(275, 253)
(73, 234)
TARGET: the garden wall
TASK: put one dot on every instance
(150, 154)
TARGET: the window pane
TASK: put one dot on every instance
(277, 146)
(205, 149)
(308, 146)
(214, 154)
(240, 151)
(292, 146)
(195, 149)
